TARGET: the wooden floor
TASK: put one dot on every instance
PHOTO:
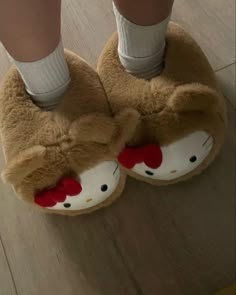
(177, 240)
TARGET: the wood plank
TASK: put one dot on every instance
(227, 81)
(212, 24)
(7, 286)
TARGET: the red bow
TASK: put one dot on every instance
(65, 187)
(150, 154)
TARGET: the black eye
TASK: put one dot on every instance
(67, 205)
(149, 173)
(104, 188)
(193, 159)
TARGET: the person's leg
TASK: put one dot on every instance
(30, 32)
(141, 26)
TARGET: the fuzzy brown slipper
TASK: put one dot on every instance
(64, 161)
(183, 112)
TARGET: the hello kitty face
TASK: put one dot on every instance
(171, 161)
(91, 188)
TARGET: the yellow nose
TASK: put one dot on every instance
(89, 200)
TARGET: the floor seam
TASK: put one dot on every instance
(8, 264)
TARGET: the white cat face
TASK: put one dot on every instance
(179, 158)
(97, 184)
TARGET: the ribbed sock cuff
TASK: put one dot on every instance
(45, 79)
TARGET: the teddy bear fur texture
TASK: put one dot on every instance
(42, 147)
(183, 99)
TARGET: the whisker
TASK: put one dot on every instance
(116, 169)
(207, 140)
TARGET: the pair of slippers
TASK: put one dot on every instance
(110, 124)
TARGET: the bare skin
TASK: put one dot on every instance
(30, 29)
(145, 12)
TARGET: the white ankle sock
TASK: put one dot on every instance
(45, 79)
(141, 48)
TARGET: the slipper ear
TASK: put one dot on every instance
(103, 129)
(24, 164)
(97, 128)
(194, 97)
(127, 122)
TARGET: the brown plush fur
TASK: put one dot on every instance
(41, 147)
(183, 99)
